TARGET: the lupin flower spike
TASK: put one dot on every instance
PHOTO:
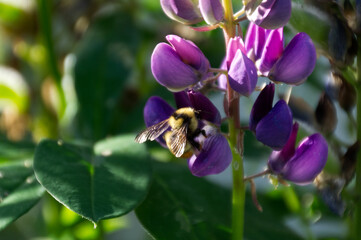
(303, 164)
(272, 126)
(269, 14)
(179, 65)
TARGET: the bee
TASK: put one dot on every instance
(180, 138)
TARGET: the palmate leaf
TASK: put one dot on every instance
(102, 182)
(19, 190)
(181, 206)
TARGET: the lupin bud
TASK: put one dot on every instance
(183, 11)
(325, 114)
(348, 162)
(179, 65)
(272, 125)
(347, 96)
(212, 11)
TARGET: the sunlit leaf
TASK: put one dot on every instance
(104, 182)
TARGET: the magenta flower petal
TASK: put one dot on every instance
(212, 11)
(214, 157)
(278, 159)
(242, 74)
(184, 11)
(272, 51)
(189, 53)
(275, 128)
(262, 106)
(308, 161)
(155, 111)
(297, 61)
(269, 14)
(255, 40)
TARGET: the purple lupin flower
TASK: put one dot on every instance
(179, 65)
(269, 14)
(242, 73)
(291, 65)
(212, 11)
(272, 125)
(300, 165)
(183, 11)
(214, 155)
(297, 61)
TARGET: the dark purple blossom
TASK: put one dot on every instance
(300, 165)
(184, 11)
(179, 65)
(272, 125)
(269, 14)
(214, 155)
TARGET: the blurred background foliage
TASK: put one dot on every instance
(79, 70)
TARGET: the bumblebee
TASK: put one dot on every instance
(180, 138)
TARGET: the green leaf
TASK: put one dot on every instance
(104, 61)
(181, 206)
(15, 150)
(19, 191)
(104, 182)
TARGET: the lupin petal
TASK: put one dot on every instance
(297, 61)
(212, 11)
(242, 74)
(269, 14)
(183, 11)
(214, 158)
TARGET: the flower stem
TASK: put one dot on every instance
(236, 136)
(357, 222)
(238, 194)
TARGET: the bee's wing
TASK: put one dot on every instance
(178, 140)
(152, 132)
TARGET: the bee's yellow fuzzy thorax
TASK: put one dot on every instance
(181, 116)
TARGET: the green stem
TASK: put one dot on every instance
(45, 21)
(238, 191)
(357, 221)
(235, 137)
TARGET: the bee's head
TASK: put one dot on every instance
(197, 113)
